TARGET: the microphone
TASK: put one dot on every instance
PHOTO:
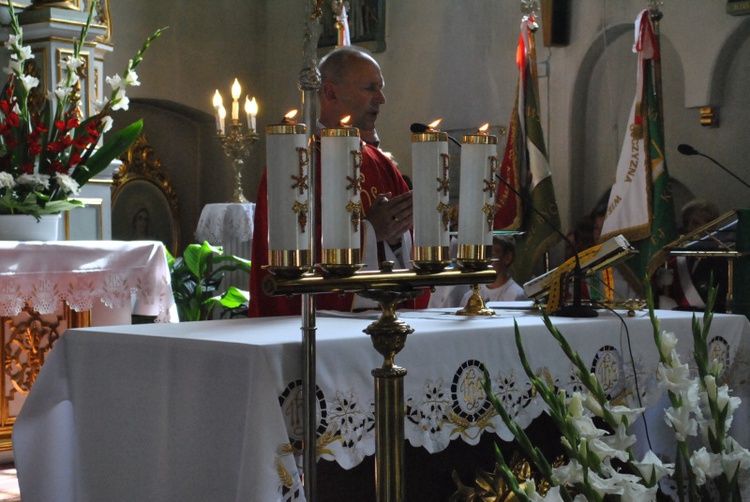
(689, 150)
(577, 308)
(417, 128)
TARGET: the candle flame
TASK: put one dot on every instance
(236, 90)
(291, 114)
(345, 120)
(434, 124)
(251, 107)
(217, 100)
(484, 127)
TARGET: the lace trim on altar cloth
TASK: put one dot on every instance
(82, 291)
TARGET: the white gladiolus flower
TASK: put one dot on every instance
(623, 412)
(68, 184)
(733, 457)
(14, 67)
(593, 405)
(115, 82)
(586, 428)
(605, 452)
(652, 469)
(131, 78)
(28, 81)
(668, 341)
(572, 473)
(6, 180)
(71, 64)
(621, 440)
(61, 93)
(675, 377)
(12, 43)
(636, 492)
(705, 465)
(529, 488)
(99, 105)
(553, 495)
(680, 420)
(575, 408)
(24, 53)
(604, 486)
(106, 123)
(120, 100)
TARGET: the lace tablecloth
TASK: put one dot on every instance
(234, 397)
(230, 226)
(84, 273)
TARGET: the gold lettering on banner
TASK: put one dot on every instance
(473, 390)
(613, 205)
(634, 159)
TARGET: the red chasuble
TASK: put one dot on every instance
(380, 177)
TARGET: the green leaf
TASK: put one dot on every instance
(112, 148)
(234, 298)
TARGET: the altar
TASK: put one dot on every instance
(212, 410)
(48, 287)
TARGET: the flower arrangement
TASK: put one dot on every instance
(47, 151)
(601, 464)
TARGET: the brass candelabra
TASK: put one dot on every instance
(237, 145)
(239, 140)
(388, 287)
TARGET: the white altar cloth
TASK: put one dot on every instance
(84, 274)
(205, 411)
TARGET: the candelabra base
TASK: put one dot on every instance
(475, 306)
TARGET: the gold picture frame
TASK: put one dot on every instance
(144, 204)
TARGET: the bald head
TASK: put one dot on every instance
(352, 84)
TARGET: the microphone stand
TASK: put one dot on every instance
(577, 308)
(689, 150)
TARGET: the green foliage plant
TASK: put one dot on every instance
(196, 277)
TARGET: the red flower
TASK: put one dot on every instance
(27, 168)
(12, 119)
(75, 159)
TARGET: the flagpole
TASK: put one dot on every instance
(656, 16)
(309, 83)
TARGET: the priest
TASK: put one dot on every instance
(352, 84)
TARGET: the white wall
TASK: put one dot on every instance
(455, 60)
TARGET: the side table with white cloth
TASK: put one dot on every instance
(212, 410)
(49, 287)
(229, 225)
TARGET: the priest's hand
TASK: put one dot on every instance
(390, 218)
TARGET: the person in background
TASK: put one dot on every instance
(504, 288)
(684, 281)
(352, 84)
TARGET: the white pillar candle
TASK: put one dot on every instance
(431, 180)
(477, 191)
(287, 174)
(340, 183)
